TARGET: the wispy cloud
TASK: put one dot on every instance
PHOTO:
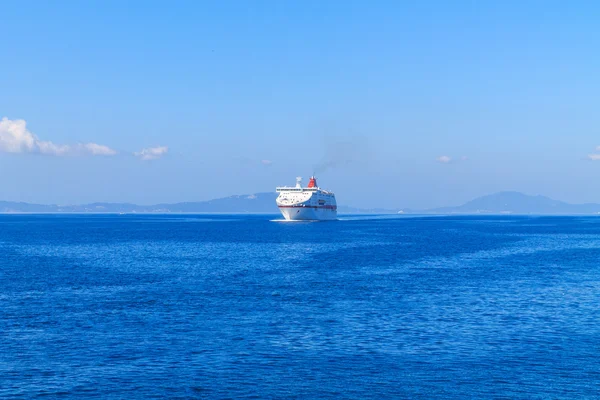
(97, 149)
(16, 138)
(448, 159)
(152, 153)
(594, 157)
(253, 162)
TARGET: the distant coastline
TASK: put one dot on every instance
(502, 203)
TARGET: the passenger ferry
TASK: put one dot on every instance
(309, 203)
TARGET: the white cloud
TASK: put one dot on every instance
(152, 153)
(450, 160)
(15, 138)
(97, 149)
(266, 162)
(594, 157)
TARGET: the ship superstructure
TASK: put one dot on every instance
(309, 203)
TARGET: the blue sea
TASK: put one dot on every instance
(238, 306)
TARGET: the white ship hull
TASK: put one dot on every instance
(308, 214)
(306, 203)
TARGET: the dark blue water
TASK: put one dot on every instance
(239, 306)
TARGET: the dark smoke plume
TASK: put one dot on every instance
(341, 153)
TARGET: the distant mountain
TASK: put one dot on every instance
(255, 203)
(10, 206)
(498, 203)
(517, 203)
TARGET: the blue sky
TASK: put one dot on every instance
(416, 104)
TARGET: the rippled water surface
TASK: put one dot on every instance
(241, 306)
